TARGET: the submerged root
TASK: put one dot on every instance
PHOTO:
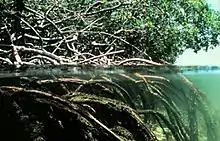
(40, 115)
(104, 109)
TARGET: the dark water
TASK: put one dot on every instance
(206, 81)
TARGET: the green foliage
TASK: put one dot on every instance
(146, 29)
(169, 27)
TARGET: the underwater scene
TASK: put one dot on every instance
(208, 83)
(139, 103)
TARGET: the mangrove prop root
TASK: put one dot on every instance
(38, 115)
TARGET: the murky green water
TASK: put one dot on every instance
(208, 83)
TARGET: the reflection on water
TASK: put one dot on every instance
(82, 71)
(201, 72)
